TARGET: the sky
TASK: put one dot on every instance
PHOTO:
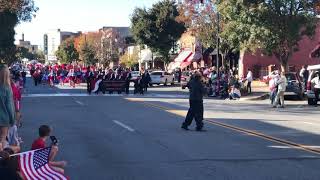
(78, 15)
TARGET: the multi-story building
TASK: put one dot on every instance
(113, 43)
(52, 41)
(27, 45)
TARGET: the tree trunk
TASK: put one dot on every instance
(284, 65)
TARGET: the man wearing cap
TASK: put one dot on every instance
(196, 102)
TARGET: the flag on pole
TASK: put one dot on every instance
(34, 165)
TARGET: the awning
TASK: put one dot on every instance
(188, 61)
(184, 56)
(315, 53)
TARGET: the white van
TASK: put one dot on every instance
(310, 93)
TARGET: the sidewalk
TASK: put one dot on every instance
(260, 91)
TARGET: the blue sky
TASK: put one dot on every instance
(78, 15)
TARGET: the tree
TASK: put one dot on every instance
(130, 59)
(157, 27)
(93, 39)
(11, 13)
(88, 54)
(67, 52)
(22, 53)
(274, 27)
(40, 56)
(201, 18)
(113, 45)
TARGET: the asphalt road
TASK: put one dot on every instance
(139, 138)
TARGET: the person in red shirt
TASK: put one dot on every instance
(44, 133)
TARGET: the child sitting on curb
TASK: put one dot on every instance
(44, 133)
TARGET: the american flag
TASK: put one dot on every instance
(34, 165)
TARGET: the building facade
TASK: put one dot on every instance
(113, 43)
(261, 64)
(28, 45)
(52, 41)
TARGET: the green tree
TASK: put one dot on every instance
(66, 52)
(201, 18)
(157, 27)
(12, 12)
(39, 55)
(129, 60)
(88, 54)
(22, 53)
(274, 27)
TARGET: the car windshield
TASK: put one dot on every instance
(157, 73)
(291, 77)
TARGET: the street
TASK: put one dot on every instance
(139, 137)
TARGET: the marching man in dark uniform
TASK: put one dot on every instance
(196, 102)
(127, 76)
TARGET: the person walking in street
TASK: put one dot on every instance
(7, 110)
(316, 82)
(249, 78)
(145, 80)
(128, 77)
(24, 77)
(282, 84)
(196, 103)
(89, 77)
(273, 87)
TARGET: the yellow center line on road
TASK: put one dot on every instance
(182, 113)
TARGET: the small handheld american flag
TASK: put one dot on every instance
(34, 165)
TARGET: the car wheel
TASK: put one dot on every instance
(312, 101)
(165, 82)
(172, 83)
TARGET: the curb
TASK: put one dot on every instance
(255, 98)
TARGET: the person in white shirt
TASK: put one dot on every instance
(282, 85)
(249, 78)
(316, 87)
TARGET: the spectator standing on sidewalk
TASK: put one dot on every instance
(249, 78)
(7, 110)
(282, 84)
(196, 103)
(304, 74)
(316, 82)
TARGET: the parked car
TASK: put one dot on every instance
(295, 85)
(185, 78)
(135, 75)
(310, 93)
(161, 77)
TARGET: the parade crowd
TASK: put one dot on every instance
(11, 87)
(91, 75)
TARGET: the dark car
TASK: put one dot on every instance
(185, 78)
(295, 85)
